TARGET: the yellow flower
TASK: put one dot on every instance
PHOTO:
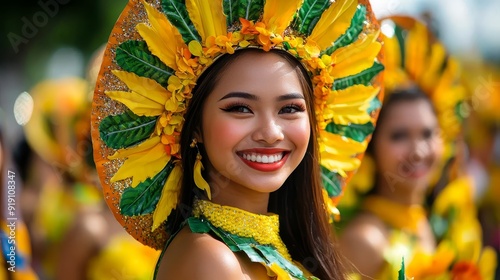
(427, 265)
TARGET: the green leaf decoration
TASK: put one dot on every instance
(357, 132)
(439, 225)
(352, 32)
(461, 110)
(177, 14)
(375, 104)
(134, 56)
(264, 254)
(198, 226)
(250, 9)
(363, 78)
(398, 32)
(401, 272)
(142, 199)
(309, 14)
(252, 254)
(273, 256)
(231, 11)
(331, 182)
(247, 9)
(126, 129)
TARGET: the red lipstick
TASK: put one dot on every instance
(264, 167)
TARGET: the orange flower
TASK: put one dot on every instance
(465, 270)
(248, 27)
(171, 143)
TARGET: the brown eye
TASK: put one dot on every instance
(237, 108)
(290, 109)
(427, 134)
(398, 135)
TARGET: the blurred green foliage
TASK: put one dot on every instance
(81, 24)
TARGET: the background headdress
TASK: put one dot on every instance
(59, 129)
(415, 57)
(157, 51)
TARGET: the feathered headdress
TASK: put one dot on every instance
(157, 51)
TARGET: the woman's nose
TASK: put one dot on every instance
(269, 132)
(421, 150)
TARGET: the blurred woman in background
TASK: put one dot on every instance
(419, 207)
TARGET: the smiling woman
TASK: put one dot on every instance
(216, 121)
(266, 120)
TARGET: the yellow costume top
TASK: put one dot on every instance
(459, 253)
(123, 258)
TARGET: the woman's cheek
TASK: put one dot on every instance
(225, 130)
(299, 133)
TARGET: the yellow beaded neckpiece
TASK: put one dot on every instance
(399, 216)
(263, 228)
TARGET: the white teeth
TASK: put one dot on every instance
(263, 158)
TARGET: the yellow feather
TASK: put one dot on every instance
(339, 164)
(143, 161)
(144, 146)
(162, 37)
(488, 263)
(416, 51)
(362, 118)
(333, 23)
(433, 66)
(144, 86)
(208, 17)
(278, 272)
(339, 145)
(354, 95)
(350, 105)
(394, 76)
(199, 180)
(137, 103)
(147, 98)
(449, 76)
(392, 53)
(169, 197)
(279, 13)
(356, 57)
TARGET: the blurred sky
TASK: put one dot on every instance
(71, 30)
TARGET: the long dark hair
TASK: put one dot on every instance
(304, 225)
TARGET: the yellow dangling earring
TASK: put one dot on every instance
(198, 167)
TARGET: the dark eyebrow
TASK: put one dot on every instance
(246, 95)
(289, 96)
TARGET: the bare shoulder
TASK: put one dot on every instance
(199, 256)
(363, 242)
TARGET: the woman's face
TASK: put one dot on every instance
(255, 126)
(407, 145)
